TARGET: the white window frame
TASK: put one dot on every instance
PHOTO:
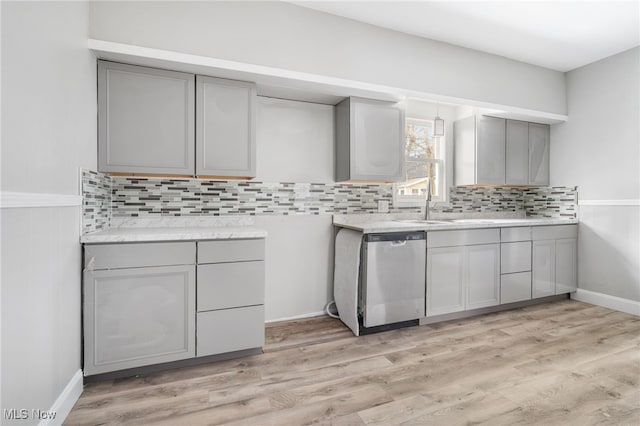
(419, 200)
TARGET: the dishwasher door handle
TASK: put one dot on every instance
(398, 243)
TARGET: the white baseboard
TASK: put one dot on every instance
(612, 302)
(309, 315)
(66, 400)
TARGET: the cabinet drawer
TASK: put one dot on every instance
(515, 257)
(230, 251)
(554, 232)
(515, 287)
(515, 234)
(230, 285)
(462, 237)
(229, 330)
(115, 256)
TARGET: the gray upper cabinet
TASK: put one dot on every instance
(479, 155)
(225, 127)
(495, 151)
(517, 153)
(145, 120)
(369, 141)
(490, 150)
(538, 154)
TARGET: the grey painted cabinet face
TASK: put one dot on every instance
(544, 268)
(490, 150)
(538, 154)
(515, 287)
(225, 133)
(463, 270)
(515, 257)
(566, 265)
(517, 153)
(138, 316)
(445, 280)
(369, 141)
(231, 277)
(555, 260)
(145, 120)
(483, 288)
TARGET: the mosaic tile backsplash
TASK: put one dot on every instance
(96, 201)
(106, 197)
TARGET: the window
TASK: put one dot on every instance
(424, 162)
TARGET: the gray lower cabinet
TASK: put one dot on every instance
(150, 303)
(446, 283)
(515, 264)
(554, 260)
(225, 132)
(463, 270)
(146, 121)
(369, 141)
(138, 316)
(230, 294)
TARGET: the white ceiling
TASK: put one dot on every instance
(560, 35)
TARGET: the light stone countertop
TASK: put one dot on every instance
(379, 223)
(175, 229)
(129, 235)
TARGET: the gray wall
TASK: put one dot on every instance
(598, 149)
(48, 131)
(286, 36)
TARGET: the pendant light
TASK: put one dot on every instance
(438, 123)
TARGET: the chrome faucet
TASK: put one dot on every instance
(426, 208)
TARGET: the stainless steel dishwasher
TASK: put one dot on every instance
(392, 288)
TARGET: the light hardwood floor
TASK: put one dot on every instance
(561, 363)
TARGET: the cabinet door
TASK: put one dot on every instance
(538, 154)
(225, 133)
(566, 266)
(544, 268)
(445, 280)
(517, 153)
(490, 150)
(138, 316)
(145, 120)
(483, 276)
(377, 142)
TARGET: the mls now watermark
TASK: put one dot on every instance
(25, 414)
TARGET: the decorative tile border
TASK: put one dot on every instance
(107, 198)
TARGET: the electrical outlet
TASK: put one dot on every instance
(383, 206)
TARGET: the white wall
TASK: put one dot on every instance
(48, 131)
(286, 36)
(598, 149)
(294, 143)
